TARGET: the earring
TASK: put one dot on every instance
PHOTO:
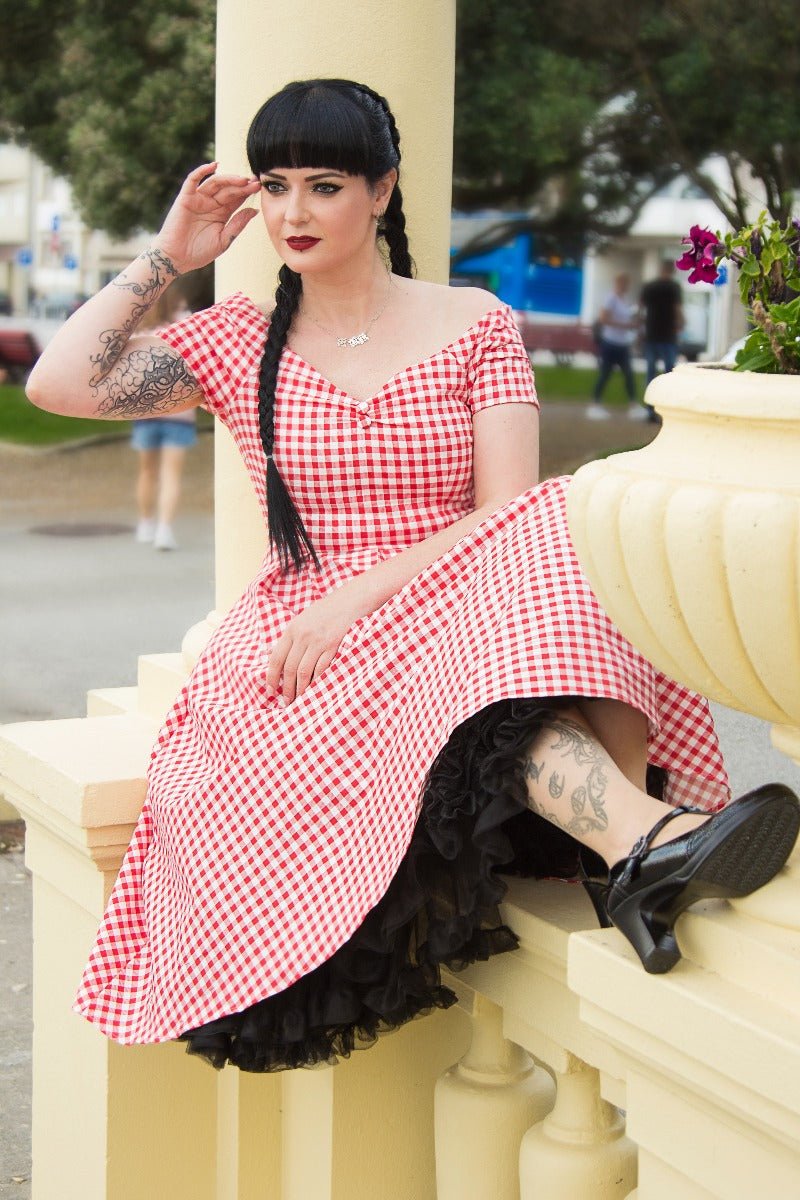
(381, 222)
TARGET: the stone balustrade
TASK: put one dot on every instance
(516, 1093)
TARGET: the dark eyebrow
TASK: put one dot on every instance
(309, 178)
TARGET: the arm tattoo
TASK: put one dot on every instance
(587, 801)
(147, 383)
(114, 341)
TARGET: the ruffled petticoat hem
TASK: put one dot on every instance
(441, 908)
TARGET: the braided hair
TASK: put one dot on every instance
(342, 126)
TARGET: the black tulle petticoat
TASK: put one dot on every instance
(441, 908)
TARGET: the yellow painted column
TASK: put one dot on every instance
(341, 1137)
(405, 52)
(120, 1123)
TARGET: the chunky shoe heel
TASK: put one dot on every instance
(597, 894)
(732, 854)
(594, 877)
(652, 939)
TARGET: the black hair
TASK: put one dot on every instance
(342, 126)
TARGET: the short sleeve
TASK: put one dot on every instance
(500, 371)
(220, 345)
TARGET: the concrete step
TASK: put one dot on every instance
(111, 702)
(89, 770)
(161, 677)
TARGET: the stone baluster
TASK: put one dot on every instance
(580, 1148)
(483, 1105)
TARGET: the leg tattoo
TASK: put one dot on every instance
(532, 771)
(587, 799)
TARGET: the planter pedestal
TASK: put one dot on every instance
(691, 545)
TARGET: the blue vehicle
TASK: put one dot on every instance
(529, 270)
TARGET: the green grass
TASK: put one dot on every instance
(21, 422)
(576, 383)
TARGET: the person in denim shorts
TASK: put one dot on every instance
(162, 443)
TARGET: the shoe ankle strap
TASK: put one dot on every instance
(644, 843)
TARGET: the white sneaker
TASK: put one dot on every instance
(638, 412)
(145, 530)
(597, 412)
(164, 538)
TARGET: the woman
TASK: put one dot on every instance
(419, 672)
(161, 444)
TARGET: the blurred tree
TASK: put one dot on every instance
(583, 109)
(693, 78)
(587, 108)
(117, 98)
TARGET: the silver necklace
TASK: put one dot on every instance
(358, 339)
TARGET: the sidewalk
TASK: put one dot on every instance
(79, 607)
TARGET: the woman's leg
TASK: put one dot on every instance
(172, 459)
(606, 367)
(585, 773)
(627, 371)
(146, 482)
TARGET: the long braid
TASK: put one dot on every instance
(287, 534)
(394, 230)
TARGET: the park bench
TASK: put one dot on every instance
(563, 341)
(19, 350)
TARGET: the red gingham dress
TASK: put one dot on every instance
(269, 834)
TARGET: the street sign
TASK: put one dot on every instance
(70, 262)
(24, 256)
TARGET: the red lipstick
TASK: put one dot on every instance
(301, 243)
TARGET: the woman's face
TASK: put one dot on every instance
(319, 219)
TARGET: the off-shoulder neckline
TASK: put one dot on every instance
(499, 309)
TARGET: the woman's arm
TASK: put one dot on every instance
(95, 366)
(505, 464)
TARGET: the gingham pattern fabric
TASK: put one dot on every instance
(268, 833)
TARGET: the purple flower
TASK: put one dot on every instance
(796, 223)
(699, 258)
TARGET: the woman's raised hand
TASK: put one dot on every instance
(204, 220)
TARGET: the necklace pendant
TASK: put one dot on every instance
(357, 339)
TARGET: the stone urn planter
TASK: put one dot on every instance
(692, 544)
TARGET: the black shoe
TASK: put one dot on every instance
(594, 877)
(732, 854)
(593, 871)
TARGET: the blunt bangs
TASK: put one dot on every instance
(311, 125)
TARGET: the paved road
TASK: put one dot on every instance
(77, 610)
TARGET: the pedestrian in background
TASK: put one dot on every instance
(161, 443)
(661, 302)
(619, 321)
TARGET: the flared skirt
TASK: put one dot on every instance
(312, 867)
